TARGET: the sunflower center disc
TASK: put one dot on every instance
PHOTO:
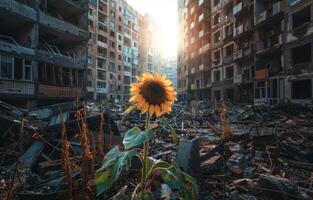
(154, 93)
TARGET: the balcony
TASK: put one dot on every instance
(237, 54)
(228, 59)
(276, 8)
(304, 30)
(126, 73)
(273, 45)
(60, 60)
(238, 79)
(237, 8)
(62, 26)
(19, 9)
(239, 30)
(8, 44)
(60, 91)
(204, 48)
(17, 87)
(261, 17)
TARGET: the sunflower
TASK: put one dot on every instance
(153, 94)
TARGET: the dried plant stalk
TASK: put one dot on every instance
(66, 159)
(225, 128)
(87, 155)
(101, 139)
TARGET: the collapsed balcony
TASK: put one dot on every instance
(301, 24)
(19, 9)
(59, 82)
(55, 49)
(9, 45)
(269, 11)
(65, 17)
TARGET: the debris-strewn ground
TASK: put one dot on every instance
(250, 152)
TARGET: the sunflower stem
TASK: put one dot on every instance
(145, 157)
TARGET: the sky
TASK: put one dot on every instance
(164, 12)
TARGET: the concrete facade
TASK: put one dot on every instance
(117, 49)
(43, 51)
(169, 68)
(261, 51)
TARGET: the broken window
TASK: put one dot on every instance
(112, 55)
(246, 74)
(102, 27)
(217, 75)
(18, 69)
(112, 33)
(28, 70)
(216, 19)
(6, 67)
(101, 84)
(229, 50)
(101, 96)
(260, 90)
(301, 17)
(217, 37)
(229, 72)
(101, 63)
(102, 51)
(112, 67)
(302, 54)
(126, 80)
(102, 39)
(229, 30)
(216, 57)
(302, 89)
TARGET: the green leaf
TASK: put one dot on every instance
(135, 137)
(144, 195)
(113, 164)
(154, 165)
(181, 181)
(173, 132)
(129, 109)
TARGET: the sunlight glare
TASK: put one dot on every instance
(164, 12)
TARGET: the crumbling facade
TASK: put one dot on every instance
(150, 50)
(260, 51)
(194, 50)
(169, 68)
(116, 49)
(43, 48)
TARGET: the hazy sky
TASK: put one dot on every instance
(164, 13)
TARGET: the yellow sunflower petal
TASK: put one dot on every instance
(145, 107)
(157, 110)
(151, 110)
(165, 107)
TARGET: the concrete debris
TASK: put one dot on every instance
(268, 156)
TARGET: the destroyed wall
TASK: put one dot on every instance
(298, 52)
(40, 34)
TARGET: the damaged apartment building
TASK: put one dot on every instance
(193, 60)
(43, 50)
(118, 49)
(260, 51)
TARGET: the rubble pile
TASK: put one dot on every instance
(251, 152)
(268, 156)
